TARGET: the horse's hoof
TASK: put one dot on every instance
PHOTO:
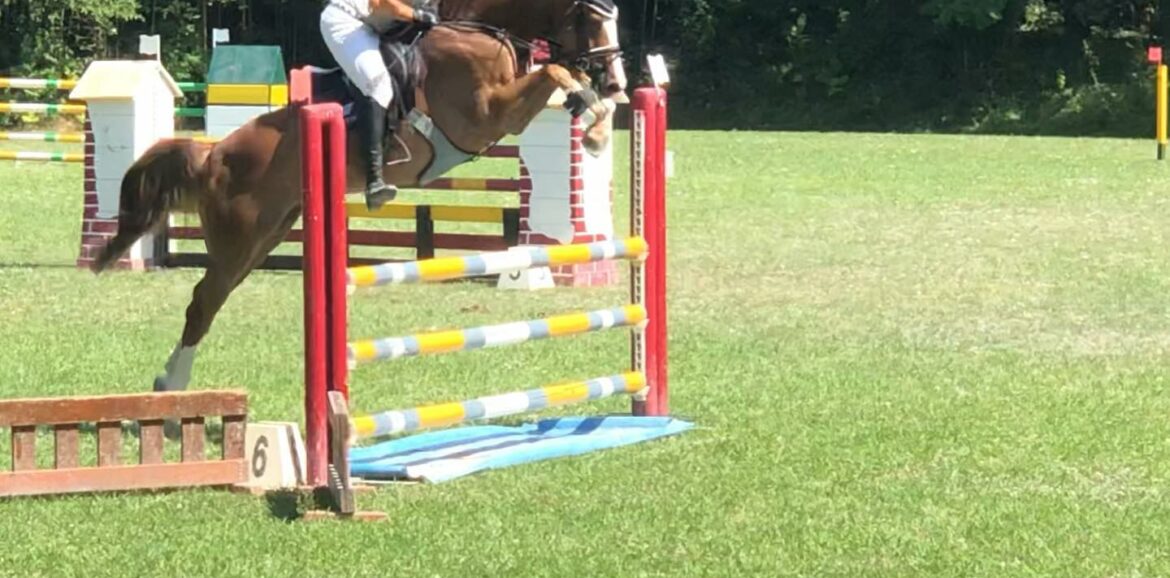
(172, 429)
(580, 101)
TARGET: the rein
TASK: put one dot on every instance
(583, 60)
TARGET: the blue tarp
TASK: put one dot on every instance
(444, 455)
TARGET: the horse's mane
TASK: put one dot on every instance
(499, 13)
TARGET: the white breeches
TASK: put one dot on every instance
(355, 47)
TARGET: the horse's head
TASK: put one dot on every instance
(582, 36)
(588, 44)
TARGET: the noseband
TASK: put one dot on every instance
(586, 58)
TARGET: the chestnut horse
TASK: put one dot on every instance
(247, 187)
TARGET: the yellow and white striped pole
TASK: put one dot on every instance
(37, 83)
(42, 157)
(445, 414)
(41, 108)
(1161, 111)
(74, 137)
(497, 263)
(495, 335)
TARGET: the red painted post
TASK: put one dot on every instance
(313, 273)
(326, 245)
(337, 250)
(300, 85)
(648, 219)
(656, 233)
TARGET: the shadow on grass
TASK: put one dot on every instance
(286, 504)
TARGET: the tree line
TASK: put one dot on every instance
(1021, 66)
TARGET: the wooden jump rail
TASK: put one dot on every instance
(66, 416)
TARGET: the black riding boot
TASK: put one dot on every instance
(372, 119)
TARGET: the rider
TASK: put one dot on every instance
(351, 29)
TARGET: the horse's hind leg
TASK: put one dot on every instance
(207, 298)
(230, 259)
(227, 266)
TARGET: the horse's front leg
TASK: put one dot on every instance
(516, 103)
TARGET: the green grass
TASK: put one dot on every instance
(906, 355)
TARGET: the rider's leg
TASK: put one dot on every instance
(372, 112)
(355, 47)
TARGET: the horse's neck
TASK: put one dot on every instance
(528, 19)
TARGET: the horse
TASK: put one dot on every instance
(247, 190)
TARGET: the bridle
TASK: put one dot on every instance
(584, 58)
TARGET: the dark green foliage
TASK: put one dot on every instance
(908, 64)
(1007, 65)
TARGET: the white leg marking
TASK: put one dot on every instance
(179, 368)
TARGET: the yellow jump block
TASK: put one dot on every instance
(248, 94)
(443, 213)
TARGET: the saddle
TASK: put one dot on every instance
(399, 50)
(399, 47)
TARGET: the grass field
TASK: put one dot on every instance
(906, 356)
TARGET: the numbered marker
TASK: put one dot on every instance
(527, 280)
(275, 453)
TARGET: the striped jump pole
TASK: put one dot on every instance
(37, 83)
(498, 263)
(473, 184)
(447, 213)
(1162, 85)
(42, 157)
(445, 414)
(41, 108)
(495, 335)
(72, 137)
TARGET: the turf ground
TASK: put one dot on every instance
(906, 356)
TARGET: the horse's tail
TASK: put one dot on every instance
(153, 186)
